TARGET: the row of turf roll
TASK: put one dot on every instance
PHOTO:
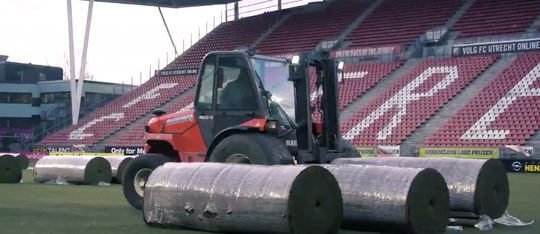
(83, 170)
(476, 186)
(236, 198)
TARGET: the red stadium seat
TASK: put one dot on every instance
(491, 17)
(402, 21)
(302, 32)
(505, 112)
(244, 31)
(121, 112)
(413, 99)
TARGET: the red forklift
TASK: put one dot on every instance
(250, 109)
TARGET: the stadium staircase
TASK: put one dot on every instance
(141, 121)
(192, 47)
(534, 141)
(409, 146)
(466, 5)
(493, 17)
(360, 19)
(535, 26)
(270, 30)
(373, 92)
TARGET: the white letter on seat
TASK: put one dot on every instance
(521, 89)
(402, 99)
(348, 75)
(185, 108)
(151, 94)
(79, 133)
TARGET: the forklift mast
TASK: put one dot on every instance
(313, 148)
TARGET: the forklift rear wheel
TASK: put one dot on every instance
(251, 148)
(137, 173)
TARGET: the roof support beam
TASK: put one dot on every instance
(77, 87)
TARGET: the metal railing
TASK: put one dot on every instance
(46, 128)
(496, 38)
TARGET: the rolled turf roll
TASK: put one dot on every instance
(118, 166)
(23, 160)
(10, 169)
(392, 199)
(87, 170)
(476, 185)
(239, 198)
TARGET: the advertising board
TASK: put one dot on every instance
(482, 153)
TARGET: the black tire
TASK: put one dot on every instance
(258, 148)
(146, 161)
(350, 150)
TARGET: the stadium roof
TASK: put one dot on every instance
(170, 3)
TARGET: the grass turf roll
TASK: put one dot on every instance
(10, 169)
(23, 161)
(240, 198)
(118, 166)
(476, 185)
(86, 170)
(392, 199)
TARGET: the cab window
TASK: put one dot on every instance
(235, 89)
(206, 97)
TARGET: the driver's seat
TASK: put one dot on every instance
(238, 94)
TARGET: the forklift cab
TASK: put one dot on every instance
(235, 88)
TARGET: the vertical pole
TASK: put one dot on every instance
(84, 55)
(206, 28)
(140, 78)
(236, 11)
(131, 89)
(167, 59)
(225, 12)
(74, 117)
(158, 64)
(150, 72)
(279, 5)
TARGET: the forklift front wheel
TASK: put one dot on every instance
(239, 158)
(137, 173)
(251, 148)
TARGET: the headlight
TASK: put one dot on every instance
(295, 59)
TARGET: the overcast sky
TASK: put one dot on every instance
(124, 39)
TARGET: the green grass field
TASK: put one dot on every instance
(31, 208)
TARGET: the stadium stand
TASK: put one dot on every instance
(492, 17)
(135, 136)
(408, 103)
(121, 112)
(244, 31)
(156, 92)
(401, 21)
(358, 78)
(418, 93)
(506, 112)
(302, 32)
